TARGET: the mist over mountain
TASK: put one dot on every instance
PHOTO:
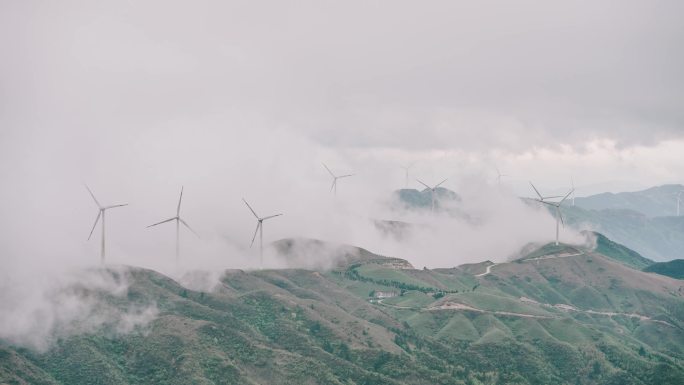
(633, 219)
(269, 163)
(578, 316)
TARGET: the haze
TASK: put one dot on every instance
(246, 99)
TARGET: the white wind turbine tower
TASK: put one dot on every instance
(557, 205)
(178, 220)
(432, 191)
(406, 169)
(260, 230)
(335, 178)
(101, 214)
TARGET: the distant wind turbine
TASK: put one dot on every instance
(260, 230)
(101, 214)
(178, 220)
(333, 187)
(557, 205)
(407, 168)
(679, 198)
(432, 191)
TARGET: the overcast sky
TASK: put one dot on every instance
(247, 98)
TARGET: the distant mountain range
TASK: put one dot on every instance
(658, 201)
(644, 221)
(634, 219)
(556, 315)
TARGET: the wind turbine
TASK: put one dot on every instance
(557, 205)
(499, 175)
(407, 168)
(260, 230)
(679, 198)
(101, 213)
(432, 191)
(335, 178)
(178, 220)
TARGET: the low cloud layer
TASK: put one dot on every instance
(39, 307)
(243, 100)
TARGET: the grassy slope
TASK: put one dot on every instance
(304, 327)
(620, 253)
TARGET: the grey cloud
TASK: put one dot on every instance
(355, 74)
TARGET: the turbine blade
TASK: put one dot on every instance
(159, 223)
(331, 173)
(332, 186)
(565, 197)
(99, 213)
(93, 195)
(113, 206)
(537, 191)
(272, 216)
(429, 188)
(560, 215)
(440, 183)
(250, 208)
(344, 176)
(188, 226)
(255, 233)
(179, 202)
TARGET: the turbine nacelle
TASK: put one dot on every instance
(432, 190)
(259, 229)
(101, 214)
(556, 205)
(179, 221)
(333, 187)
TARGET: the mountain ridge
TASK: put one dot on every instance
(556, 317)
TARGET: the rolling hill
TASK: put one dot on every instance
(561, 315)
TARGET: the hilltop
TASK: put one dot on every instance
(415, 199)
(562, 315)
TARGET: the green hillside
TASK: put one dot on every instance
(415, 199)
(561, 316)
(620, 253)
(674, 269)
